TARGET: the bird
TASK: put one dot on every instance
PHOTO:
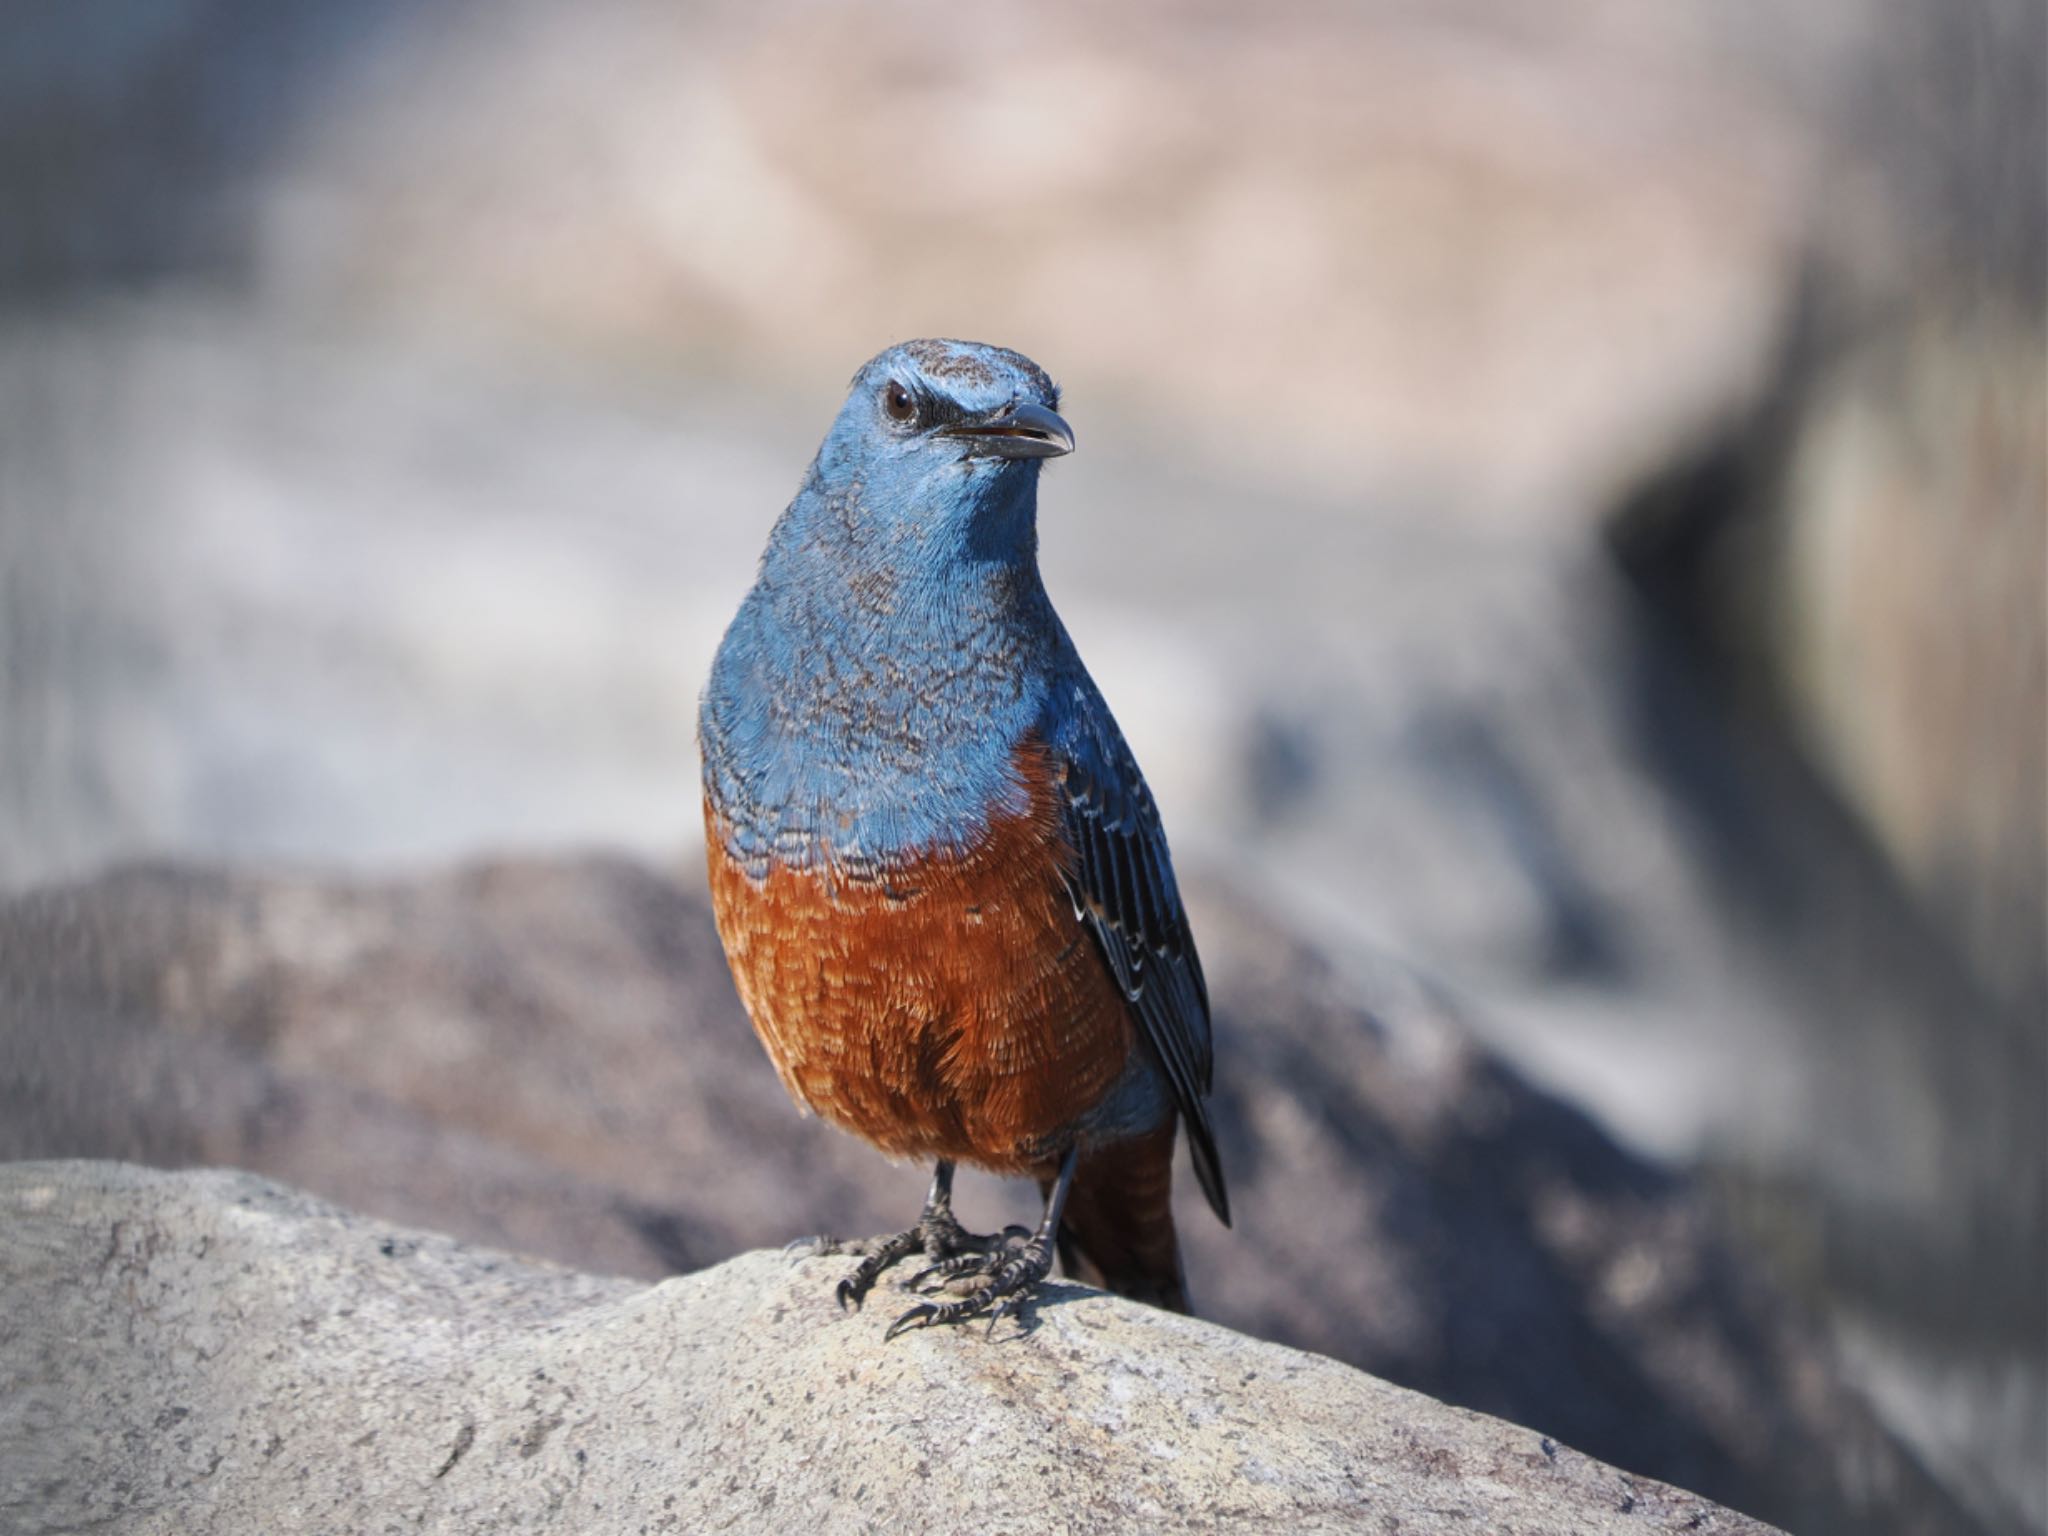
(939, 876)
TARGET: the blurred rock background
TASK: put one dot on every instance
(1562, 501)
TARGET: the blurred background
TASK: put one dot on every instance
(1562, 515)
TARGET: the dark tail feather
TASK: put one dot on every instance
(1118, 1229)
(1208, 1167)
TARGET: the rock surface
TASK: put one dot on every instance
(548, 1056)
(209, 1352)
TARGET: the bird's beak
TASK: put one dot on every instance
(1016, 432)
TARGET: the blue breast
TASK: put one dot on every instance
(860, 717)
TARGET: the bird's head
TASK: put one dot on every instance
(939, 444)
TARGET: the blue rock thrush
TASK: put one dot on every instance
(939, 875)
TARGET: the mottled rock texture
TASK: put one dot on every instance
(207, 1352)
(548, 1056)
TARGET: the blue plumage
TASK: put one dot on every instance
(865, 701)
(891, 680)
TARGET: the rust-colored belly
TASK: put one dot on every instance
(954, 1009)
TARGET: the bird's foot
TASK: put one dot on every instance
(985, 1257)
(1012, 1277)
(937, 1234)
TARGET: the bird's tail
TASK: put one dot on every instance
(1118, 1228)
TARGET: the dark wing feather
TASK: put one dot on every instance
(1123, 888)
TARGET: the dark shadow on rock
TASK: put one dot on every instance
(1882, 987)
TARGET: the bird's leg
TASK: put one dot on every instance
(1011, 1277)
(938, 1233)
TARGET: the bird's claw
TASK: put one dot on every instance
(1011, 1281)
(976, 1256)
(919, 1316)
(947, 1270)
(938, 1234)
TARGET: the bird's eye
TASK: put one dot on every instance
(898, 402)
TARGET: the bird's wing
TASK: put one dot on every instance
(1123, 889)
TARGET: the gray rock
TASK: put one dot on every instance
(209, 1352)
(547, 1056)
